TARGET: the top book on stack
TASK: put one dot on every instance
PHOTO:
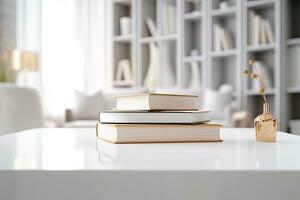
(157, 102)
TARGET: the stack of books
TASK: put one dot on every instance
(157, 118)
(259, 30)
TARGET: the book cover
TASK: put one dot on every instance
(156, 133)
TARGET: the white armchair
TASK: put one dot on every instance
(20, 109)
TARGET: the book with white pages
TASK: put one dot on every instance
(144, 133)
(156, 101)
(162, 117)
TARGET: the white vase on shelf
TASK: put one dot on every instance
(124, 73)
(168, 78)
(169, 17)
(151, 81)
(223, 5)
(195, 81)
(196, 4)
(125, 26)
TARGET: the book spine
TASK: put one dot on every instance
(263, 36)
(257, 22)
(217, 45)
(269, 32)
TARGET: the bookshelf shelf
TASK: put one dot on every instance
(254, 92)
(225, 53)
(231, 11)
(195, 15)
(168, 37)
(123, 83)
(260, 3)
(124, 39)
(293, 41)
(188, 59)
(293, 89)
(123, 2)
(146, 40)
(266, 47)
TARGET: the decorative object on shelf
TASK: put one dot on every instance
(264, 72)
(195, 81)
(124, 73)
(169, 17)
(167, 64)
(151, 26)
(222, 38)
(260, 30)
(223, 5)
(151, 81)
(125, 26)
(265, 124)
(196, 4)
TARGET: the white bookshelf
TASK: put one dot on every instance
(194, 30)
(267, 53)
(225, 65)
(123, 46)
(193, 34)
(291, 60)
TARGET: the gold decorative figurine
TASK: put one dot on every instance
(265, 124)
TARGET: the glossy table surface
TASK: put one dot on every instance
(78, 149)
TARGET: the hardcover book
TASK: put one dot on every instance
(143, 133)
(161, 102)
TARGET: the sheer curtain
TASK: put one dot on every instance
(73, 44)
(73, 50)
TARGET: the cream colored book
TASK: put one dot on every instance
(152, 101)
(257, 27)
(145, 133)
(269, 31)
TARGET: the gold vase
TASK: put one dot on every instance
(266, 126)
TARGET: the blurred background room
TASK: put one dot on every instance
(62, 61)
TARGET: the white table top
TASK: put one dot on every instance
(78, 149)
